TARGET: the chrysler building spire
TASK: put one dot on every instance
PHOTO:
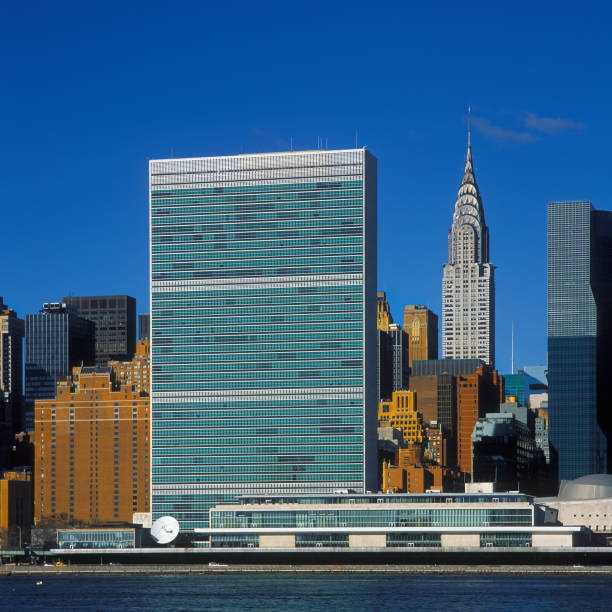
(468, 286)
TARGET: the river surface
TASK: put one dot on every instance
(333, 592)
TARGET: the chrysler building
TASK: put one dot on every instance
(468, 284)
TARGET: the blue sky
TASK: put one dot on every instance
(91, 91)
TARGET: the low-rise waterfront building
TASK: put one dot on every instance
(98, 538)
(378, 521)
(585, 501)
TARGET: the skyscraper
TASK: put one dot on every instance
(56, 340)
(400, 363)
(144, 326)
(385, 347)
(115, 319)
(468, 285)
(263, 327)
(579, 337)
(393, 366)
(421, 326)
(477, 394)
(11, 366)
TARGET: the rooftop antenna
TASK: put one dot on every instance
(512, 358)
(292, 143)
(356, 139)
(326, 143)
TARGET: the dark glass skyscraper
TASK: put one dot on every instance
(55, 340)
(115, 319)
(144, 327)
(11, 367)
(579, 336)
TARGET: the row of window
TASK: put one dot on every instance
(409, 517)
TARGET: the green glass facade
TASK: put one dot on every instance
(414, 539)
(579, 337)
(263, 287)
(95, 538)
(505, 539)
(404, 517)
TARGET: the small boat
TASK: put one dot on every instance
(38, 582)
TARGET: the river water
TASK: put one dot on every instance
(334, 592)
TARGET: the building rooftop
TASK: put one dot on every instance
(592, 486)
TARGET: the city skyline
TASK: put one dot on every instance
(98, 114)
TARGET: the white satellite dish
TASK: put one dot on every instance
(165, 529)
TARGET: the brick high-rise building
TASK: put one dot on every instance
(15, 507)
(136, 373)
(421, 327)
(437, 401)
(92, 449)
(401, 413)
(115, 319)
(477, 394)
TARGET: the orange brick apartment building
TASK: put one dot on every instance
(92, 449)
(477, 394)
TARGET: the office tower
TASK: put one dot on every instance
(263, 327)
(468, 285)
(92, 460)
(136, 373)
(503, 451)
(385, 347)
(56, 340)
(144, 327)
(393, 366)
(522, 386)
(421, 326)
(579, 337)
(399, 357)
(477, 394)
(11, 379)
(115, 319)
(437, 402)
